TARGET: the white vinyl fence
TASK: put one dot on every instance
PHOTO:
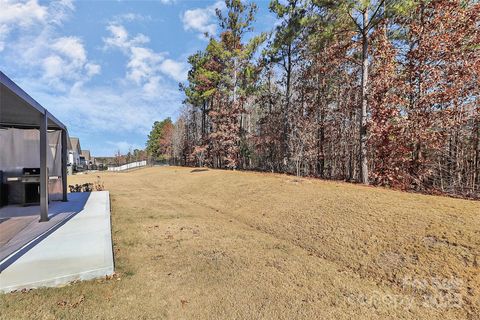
(127, 166)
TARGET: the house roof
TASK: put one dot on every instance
(76, 144)
(19, 110)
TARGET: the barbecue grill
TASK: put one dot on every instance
(30, 179)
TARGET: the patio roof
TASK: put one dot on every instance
(19, 110)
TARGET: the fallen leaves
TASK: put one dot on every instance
(74, 304)
(114, 276)
(183, 302)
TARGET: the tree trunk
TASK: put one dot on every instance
(204, 120)
(363, 116)
(286, 127)
(476, 161)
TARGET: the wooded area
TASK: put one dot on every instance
(382, 92)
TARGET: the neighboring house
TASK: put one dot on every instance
(87, 157)
(75, 153)
(78, 159)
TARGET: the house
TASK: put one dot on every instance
(87, 158)
(74, 153)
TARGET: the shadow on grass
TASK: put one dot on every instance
(198, 170)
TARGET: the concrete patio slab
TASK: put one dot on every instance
(78, 249)
(20, 230)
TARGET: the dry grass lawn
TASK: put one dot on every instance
(239, 245)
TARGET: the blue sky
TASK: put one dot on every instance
(107, 69)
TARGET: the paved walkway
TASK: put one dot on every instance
(80, 248)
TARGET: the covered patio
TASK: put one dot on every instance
(34, 147)
(47, 237)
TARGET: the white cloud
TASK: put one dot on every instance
(55, 68)
(59, 11)
(202, 19)
(21, 13)
(114, 109)
(152, 87)
(61, 61)
(120, 39)
(67, 59)
(3, 36)
(119, 111)
(52, 66)
(143, 64)
(30, 14)
(71, 47)
(176, 70)
(92, 69)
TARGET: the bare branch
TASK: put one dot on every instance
(368, 26)
(355, 22)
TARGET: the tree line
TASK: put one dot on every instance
(381, 92)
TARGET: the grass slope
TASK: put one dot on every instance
(239, 245)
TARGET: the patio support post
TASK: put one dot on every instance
(43, 168)
(64, 165)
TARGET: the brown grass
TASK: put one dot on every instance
(238, 245)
